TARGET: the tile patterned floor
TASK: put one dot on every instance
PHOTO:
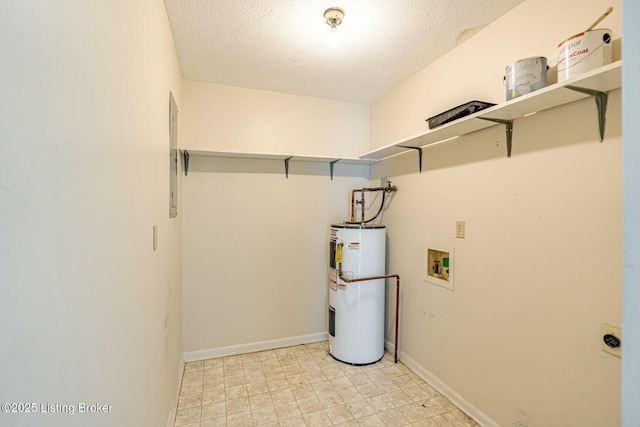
(304, 386)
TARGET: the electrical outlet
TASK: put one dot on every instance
(611, 340)
(460, 229)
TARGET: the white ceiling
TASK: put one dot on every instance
(284, 45)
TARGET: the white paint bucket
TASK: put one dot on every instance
(584, 52)
(525, 75)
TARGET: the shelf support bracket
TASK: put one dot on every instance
(185, 161)
(286, 166)
(331, 167)
(419, 155)
(601, 102)
(508, 126)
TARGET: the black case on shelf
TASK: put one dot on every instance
(457, 113)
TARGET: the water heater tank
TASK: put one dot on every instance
(356, 309)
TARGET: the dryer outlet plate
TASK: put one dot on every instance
(617, 333)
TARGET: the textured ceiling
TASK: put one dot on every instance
(284, 45)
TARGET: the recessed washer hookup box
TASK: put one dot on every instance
(457, 113)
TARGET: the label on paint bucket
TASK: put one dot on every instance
(584, 52)
(525, 76)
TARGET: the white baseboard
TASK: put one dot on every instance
(477, 415)
(176, 395)
(190, 356)
(388, 345)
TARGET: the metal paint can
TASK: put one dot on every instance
(584, 52)
(525, 76)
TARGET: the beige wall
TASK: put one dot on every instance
(518, 340)
(535, 277)
(254, 242)
(227, 118)
(255, 251)
(88, 313)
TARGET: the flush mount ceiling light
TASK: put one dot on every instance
(334, 16)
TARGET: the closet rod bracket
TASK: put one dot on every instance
(286, 166)
(601, 99)
(508, 126)
(419, 155)
(331, 167)
(185, 161)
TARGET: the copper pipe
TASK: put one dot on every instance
(389, 276)
(378, 189)
(353, 205)
(362, 200)
(353, 202)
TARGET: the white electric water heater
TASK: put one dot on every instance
(356, 309)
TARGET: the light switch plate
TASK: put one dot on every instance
(460, 229)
